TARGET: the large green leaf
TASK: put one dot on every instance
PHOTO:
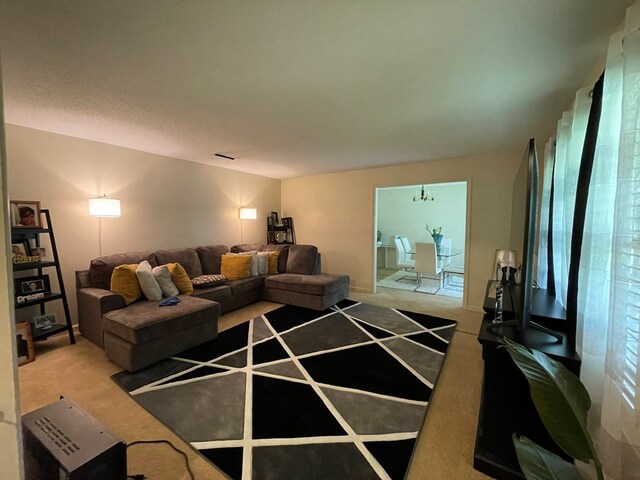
(560, 399)
(538, 463)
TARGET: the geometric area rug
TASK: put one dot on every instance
(301, 394)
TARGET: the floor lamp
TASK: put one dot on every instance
(246, 213)
(103, 207)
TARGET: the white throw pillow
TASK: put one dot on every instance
(162, 275)
(148, 283)
(263, 263)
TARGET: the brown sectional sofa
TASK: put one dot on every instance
(142, 333)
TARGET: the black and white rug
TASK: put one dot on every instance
(301, 394)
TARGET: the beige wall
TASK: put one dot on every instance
(336, 213)
(166, 203)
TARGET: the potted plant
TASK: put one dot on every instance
(379, 237)
(562, 402)
(436, 233)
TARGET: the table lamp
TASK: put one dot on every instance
(505, 271)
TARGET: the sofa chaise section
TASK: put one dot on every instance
(317, 292)
(144, 333)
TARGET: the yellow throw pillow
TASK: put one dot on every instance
(125, 282)
(236, 267)
(273, 261)
(180, 278)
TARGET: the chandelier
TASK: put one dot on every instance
(421, 195)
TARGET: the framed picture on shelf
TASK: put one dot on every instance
(39, 252)
(274, 218)
(20, 249)
(44, 322)
(281, 236)
(30, 285)
(24, 343)
(25, 213)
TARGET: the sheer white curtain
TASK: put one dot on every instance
(571, 132)
(609, 285)
(560, 258)
(543, 255)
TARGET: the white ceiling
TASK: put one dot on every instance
(300, 87)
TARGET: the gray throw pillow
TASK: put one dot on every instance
(163, 277)
(148, 283)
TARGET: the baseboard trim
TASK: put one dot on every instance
(360, 290)
(473, 308)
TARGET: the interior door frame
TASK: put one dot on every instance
(467, 233)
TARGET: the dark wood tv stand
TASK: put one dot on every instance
(506, 406)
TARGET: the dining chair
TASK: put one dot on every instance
(403, 262)
(444, 260)
(427, 262)
(407, 248)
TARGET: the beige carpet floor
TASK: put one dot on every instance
(81, 373)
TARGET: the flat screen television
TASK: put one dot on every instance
(524, 210)
(524, 225)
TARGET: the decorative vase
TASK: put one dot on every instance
(437, 239)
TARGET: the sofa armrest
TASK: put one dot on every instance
(93, 303)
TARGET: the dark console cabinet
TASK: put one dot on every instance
(506, 406)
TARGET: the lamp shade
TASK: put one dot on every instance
(104, 207)
(506, 265)
(507, 258)
(248, 213)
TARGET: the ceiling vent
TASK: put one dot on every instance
(224, 156)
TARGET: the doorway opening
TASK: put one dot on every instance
(429, 213)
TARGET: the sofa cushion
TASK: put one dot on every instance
(320, 284)
(187, 257)
(101, 268)
(236, 267)
(211, 258)
(282, 258)
(204, 281)
(163, 277)
(217, 294)
(247, 247)
(143, 322)
(246, 284)
(148, 283)
(302, 259)
(125, 282)
(180, 278)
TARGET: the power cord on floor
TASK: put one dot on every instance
(140, 476)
